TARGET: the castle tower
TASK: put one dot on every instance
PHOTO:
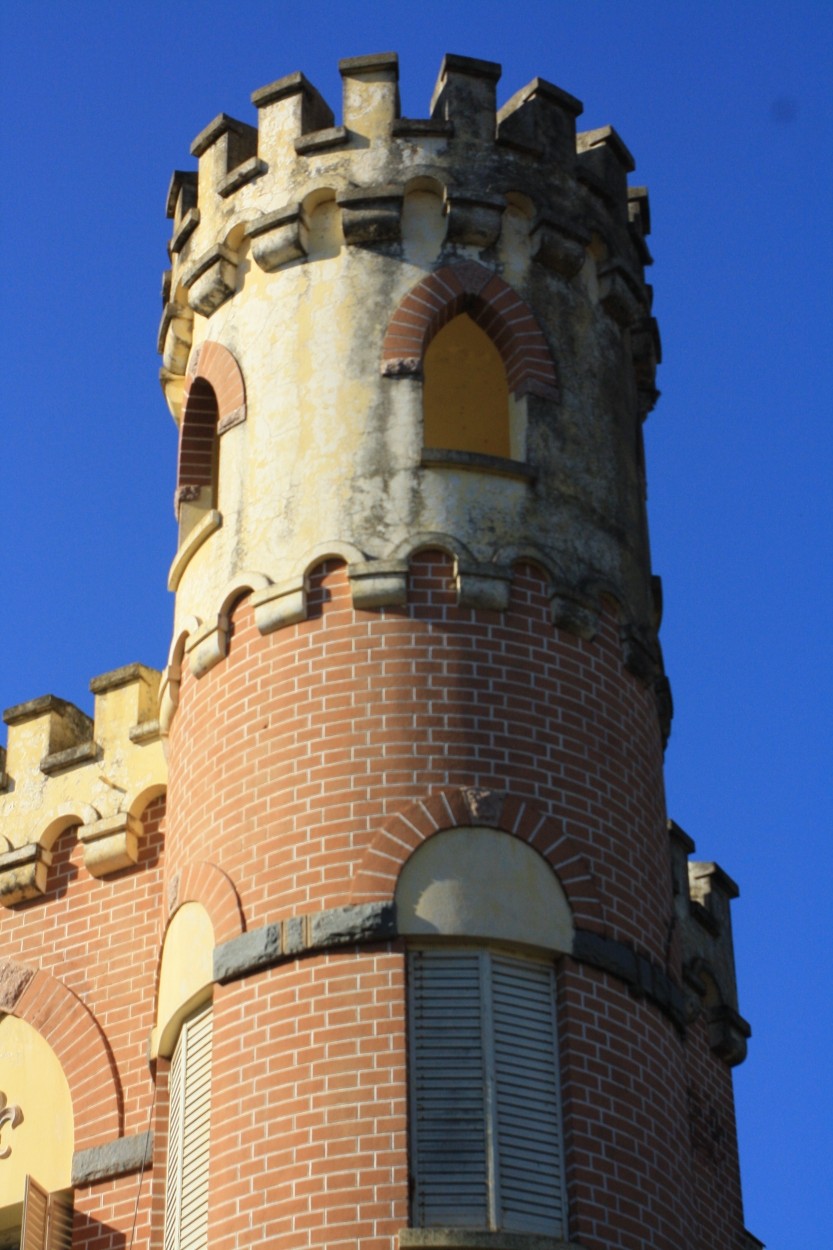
(431, 967)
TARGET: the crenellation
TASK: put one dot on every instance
(370, 86)
(541, 119)
(465, 93)
(65, 768)
(703, 893)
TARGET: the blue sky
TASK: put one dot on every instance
(729, 112)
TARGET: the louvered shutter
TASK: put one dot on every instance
(35, 1206)
(59, 1220)
(47, 1218)
(530, 1163)
(447, 1090)
(189, 1130)
(486, 1140)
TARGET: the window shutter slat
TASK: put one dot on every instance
(35, 1206)
(447, 1090)
(189, 1137)
(527, 1098)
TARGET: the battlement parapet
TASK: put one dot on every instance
(703, 893)
(62, 768)
(258, 188)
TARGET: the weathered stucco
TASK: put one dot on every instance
(322, 230)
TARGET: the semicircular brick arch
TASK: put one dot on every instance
(452, 808)
(493, 305)
(203, 882)
(59, 1016)
(215, 364)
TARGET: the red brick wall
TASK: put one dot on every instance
(98, 940)
(287, 757)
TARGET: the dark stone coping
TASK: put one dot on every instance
(59, 760)
(547, 90)
(353, 197)
(119, 677)
(422, 127)
(114, 1158)
(179, 179)
(215, 129)
(289, 84)
(39, 707)
(376, 922)
(477, 462)
(145, 731)
(322, 140)
(185, 229)
(279, 217)
(367, 64)
(247, 172)
(454, 64)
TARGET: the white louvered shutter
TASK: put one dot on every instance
(486, 1139)
(448, 1090)
(530, 1164)
(189, 1134)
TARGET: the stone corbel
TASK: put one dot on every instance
(379, 583)
(558, 247)
(208, 646)
(574, 614)
(23, 872)
(212, 280)
(371, 214)
(175, 336)
(482, 585)
(276, 606)
(277, 238)
(110, 844)
(728, 1034)
(474, 219)
(619, 294)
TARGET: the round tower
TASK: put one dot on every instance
(417, 854)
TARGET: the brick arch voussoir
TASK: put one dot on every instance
(453, 807)
(493, 305)
(215, 364)
(203, 882)
(55, 1012)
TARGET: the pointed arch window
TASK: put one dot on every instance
(465, 391)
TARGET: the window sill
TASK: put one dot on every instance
(477, 462)
(478, 1239)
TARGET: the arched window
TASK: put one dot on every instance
(183, 1031)
(196, 490)
(465, 391)
(485, 1108)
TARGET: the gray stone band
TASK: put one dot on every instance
(115, 1158)
(376, 922)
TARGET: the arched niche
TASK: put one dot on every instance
(37, 1135)
(186, 975)
(477, 882)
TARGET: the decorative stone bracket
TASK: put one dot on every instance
(23, 872)
(110, 844)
